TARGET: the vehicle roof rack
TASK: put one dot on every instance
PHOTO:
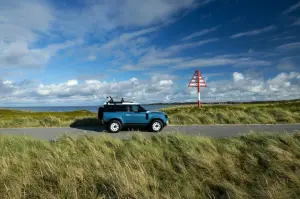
(111, 101)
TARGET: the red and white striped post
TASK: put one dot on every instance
(198, 72)
(197, 81)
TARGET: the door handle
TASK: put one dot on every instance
(127, 114)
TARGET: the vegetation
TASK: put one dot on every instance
(165, 166)
(288, 112)
(283, 112)
(15, 118)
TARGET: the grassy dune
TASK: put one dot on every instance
(162, 167)
(272, 113)
(288, 112)
(15, 118)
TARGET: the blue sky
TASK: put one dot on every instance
(79, 52)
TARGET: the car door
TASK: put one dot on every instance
(124, 112)
(137, 117)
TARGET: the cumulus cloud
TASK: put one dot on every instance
(159, 88)
(238, 76)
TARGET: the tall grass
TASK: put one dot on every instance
(14, 118)
(166, 166)
(236, 114)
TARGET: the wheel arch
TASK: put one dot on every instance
(156, 119)
(118, 119)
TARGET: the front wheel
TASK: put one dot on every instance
(156, 126)
(114, 126)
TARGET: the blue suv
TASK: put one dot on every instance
(116, 115)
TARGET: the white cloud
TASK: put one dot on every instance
(21, 20)
(92, 57)
(158, 88)
(286, 64)
(289, 46)
(292, 8)
(153, 57)
(124, 38)
(18, 54)
(105, 15)
(238, 76)
(179, 47)
(22, 24)
(254, 32)
(201, 33)
(296, 22)
(220, 61)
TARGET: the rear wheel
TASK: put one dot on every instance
(114, 126)
(156, 126)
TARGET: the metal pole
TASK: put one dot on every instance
(198, 72)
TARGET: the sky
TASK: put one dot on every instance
(63, 52)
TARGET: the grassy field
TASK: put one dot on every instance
(288, 112)
(160, 167)
(14, 118)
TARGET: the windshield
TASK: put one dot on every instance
(142, 109)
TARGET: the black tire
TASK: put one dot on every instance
(114, 126)
(156, 126)
(100, 113)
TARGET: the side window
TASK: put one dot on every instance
(135, 108)
(109, 108)
(121, 108)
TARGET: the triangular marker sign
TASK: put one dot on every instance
(194, 81)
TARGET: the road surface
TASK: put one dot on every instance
(204, 130)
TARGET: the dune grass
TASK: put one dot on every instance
(236, 114)
(160, 167)
(16, 118)
(288, 112)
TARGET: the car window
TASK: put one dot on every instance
(109, 108)
(135, 108)
(142, 109)
(121, 108)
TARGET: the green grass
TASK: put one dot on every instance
(272, 113)
(160, 167)
(15, 118)
(278, 112)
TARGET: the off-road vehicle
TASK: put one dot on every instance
(116, 115)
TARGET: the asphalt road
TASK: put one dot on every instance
(204, 130)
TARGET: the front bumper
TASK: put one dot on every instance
(167, 123)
